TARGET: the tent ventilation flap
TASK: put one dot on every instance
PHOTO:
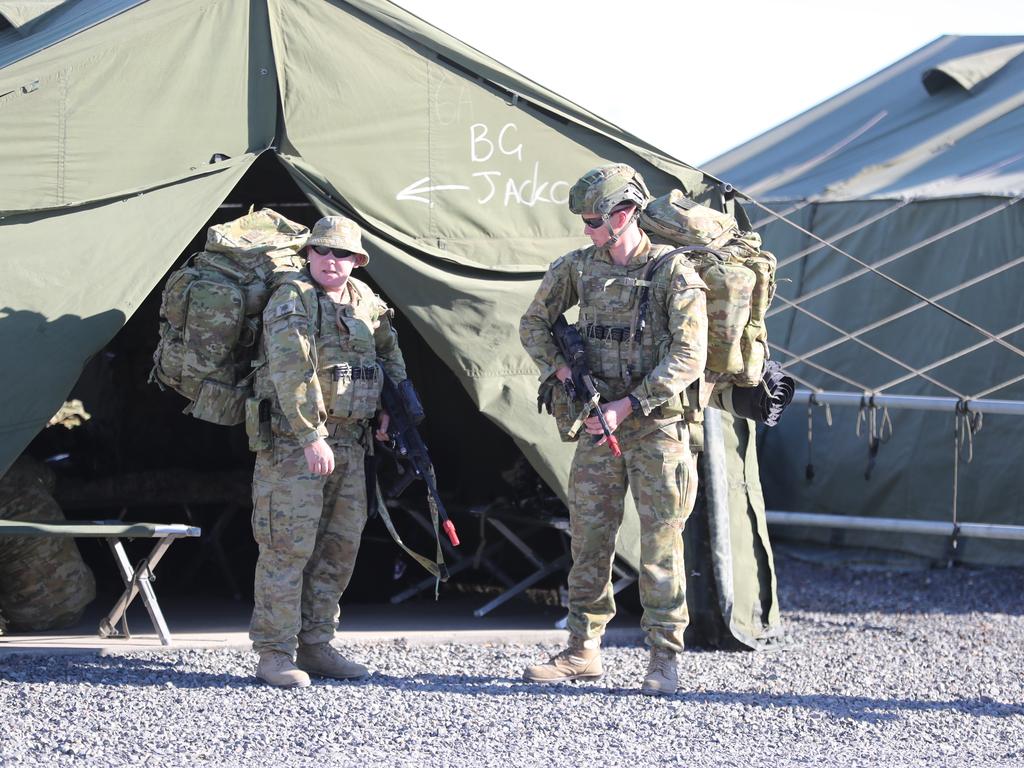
(967, 72)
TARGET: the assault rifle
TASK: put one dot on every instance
(407, 447)
(580, 385)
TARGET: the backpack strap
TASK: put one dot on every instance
(645, 292)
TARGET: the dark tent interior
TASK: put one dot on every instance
(140, 458)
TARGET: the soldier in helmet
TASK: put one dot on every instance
(649, 375)
(323, 338)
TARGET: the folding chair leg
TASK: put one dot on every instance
(522, 586)
(517, 542)
(137, 580)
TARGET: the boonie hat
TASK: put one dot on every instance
(341, 233)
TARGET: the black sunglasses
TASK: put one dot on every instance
(323, 250)
(592, 223)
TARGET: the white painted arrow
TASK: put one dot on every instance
(415, 190)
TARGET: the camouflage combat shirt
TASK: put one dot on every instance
(336, 378)
(672, 351)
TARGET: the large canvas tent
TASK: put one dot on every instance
(917, 174)
(127, 123)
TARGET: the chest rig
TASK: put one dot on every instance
(624, 322)
(622, 346)
(350, 379)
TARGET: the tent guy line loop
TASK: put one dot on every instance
(966, 424)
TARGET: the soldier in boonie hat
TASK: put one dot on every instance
(339, 233)
(309, 482)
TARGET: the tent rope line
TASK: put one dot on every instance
(949, 358)
(874, 268)
(990, 390)
(893, 257)
(872, 348)
(792, 209)
(913, 308)
(845, 233)
(813, 387)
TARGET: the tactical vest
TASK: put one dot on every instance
(620, 356)
(345, 356)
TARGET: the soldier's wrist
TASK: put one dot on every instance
(634, 403)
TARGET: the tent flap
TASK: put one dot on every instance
(102, 261)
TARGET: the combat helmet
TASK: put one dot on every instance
(600, 190)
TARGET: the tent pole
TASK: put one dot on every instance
(909, 402)
(891, 525)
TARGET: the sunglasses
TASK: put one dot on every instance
(592, 223)
(323, 250)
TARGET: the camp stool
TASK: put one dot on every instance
(137, 579)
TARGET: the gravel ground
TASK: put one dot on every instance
(900, 669)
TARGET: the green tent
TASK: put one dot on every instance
(127, 123)
(917, 172)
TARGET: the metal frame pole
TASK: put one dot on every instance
(893, 525)
(909, 402)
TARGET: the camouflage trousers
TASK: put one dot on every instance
(661, 472)
(308, 529)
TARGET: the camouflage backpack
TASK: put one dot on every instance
(740, 278)
(210, 313)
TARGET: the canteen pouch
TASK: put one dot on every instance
(257, 424)
(565, 411)
(553, 397)
(219, 403)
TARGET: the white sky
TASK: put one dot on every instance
(697, 79)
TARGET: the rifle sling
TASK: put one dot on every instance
(436, 568)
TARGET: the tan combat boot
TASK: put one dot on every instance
(277, 668)
(574, 663)
(324, 660)
(662, 676)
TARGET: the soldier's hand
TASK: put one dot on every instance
(319, 457)
(563, 373)
(383, 420)
(614, 413)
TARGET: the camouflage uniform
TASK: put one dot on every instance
(308, 526)
(657, 462)
(44, 583)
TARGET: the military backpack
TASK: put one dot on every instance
(739, 275)
(211, 312)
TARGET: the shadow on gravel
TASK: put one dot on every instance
(855, 707)
(489, 685)
(114, 670)
(862, 708)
